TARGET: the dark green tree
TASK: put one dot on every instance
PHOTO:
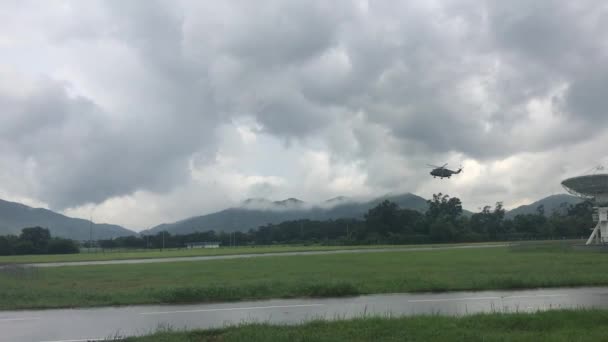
(38, 237)
(443, 206)
(529, 225)
(23, 247)
(489, 223)
(411, 221)
(383, 218)
(62, 246)
(442, 230)
(7, 245)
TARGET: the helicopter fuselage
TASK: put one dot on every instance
(443, 172)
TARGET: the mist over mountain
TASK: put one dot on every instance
(265, 204)
(256, 212)
(16, 216)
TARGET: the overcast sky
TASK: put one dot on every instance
(143, 112)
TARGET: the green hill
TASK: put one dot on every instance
(550, 203)
(15, 216)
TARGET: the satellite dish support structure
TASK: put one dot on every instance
(595, 188)
(599, 234)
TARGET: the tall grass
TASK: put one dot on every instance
(563, 325)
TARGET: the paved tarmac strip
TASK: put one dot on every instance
(72, 325)
(253, 255)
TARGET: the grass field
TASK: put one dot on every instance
(151, 254)
(301, 276)
(155, 253)
(543, 326)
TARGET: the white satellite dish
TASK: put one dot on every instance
(593, 187)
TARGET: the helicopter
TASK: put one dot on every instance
(442, 171)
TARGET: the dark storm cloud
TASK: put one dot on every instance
(79, 157)
(275, 34)
(514, 52)
(559, 42)
(586, 96)
(377, 82)
(82, 153)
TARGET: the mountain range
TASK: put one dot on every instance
(15, 216)
(252, 213)
(550, 203)
(256, 212)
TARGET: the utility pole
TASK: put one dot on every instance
(91, 232)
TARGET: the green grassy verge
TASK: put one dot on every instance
(300, 276)
(542, 326)
(151, 254)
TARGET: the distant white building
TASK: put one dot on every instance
(202, 245)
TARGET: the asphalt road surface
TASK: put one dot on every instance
(258, 255)
(101, 323)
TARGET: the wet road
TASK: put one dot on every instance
(84, 324)
(258, 255)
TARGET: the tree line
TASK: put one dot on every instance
(36, 240)
(386, 223)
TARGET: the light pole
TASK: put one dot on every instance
(91, 232)
(347, 230)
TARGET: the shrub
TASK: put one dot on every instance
(62, 246)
